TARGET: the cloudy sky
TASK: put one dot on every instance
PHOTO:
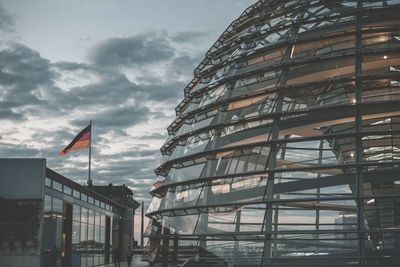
(121, 63)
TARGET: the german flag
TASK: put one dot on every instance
(82, 140)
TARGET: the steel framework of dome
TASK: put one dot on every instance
(286, 147)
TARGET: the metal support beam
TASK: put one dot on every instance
(317, 213)
(237, 230)
(359, 147)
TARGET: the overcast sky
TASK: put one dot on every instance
(122, 63)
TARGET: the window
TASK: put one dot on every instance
(57, 206)
(84, 215)
(76, 213)
(76, 194)
(76, 233)
(47, 203)
(97, 218)
(57, 186)
(48, 182)
(91, 217)
(84, 197)
(67, 190)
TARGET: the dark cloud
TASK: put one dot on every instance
(145, 48)
(65, 65)
(183, 66)
(169, 92)
(120, 116)
(7, 114)
(20, 150)
(23, 74)
(188, 36)
(111, 90)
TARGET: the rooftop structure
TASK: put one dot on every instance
(49, 220)
(286, 147)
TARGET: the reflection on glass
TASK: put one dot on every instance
(19, 227)
(57, 186)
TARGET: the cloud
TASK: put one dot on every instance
(8, 114)
(120, 117)
(23, 73)
(142, 49)
(188, 36)
(182, 67)
(7, 21)
(43, 105)
(22, 150)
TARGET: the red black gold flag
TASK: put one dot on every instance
(82, 140)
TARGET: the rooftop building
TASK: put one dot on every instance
(48, 219)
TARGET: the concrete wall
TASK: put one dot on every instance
(19, 261)
(126, 231)
(22, 178)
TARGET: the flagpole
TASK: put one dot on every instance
(89, 182)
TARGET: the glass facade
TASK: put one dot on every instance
(286, 149)
(82, 218)
(48, 220)
(20, 228)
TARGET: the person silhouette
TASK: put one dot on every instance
(117, 256)
(53, 256)
(129, 255)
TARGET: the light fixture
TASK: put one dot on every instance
(371, 201)
(353, 101)
(385, 57)
(352, 154)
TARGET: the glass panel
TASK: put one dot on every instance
(84, 197)
(305, 98)
(381, 90)
(47, 203)
(97, 218)
(77, 194)
(76, 213)
(84, 244)
(57, 205)
(90, 247)
(57, 186)
(380, 64)
(91, 217)
(76, 234)
(20, 223)
(84, 215)
(321, 70)
(67, 190)
(103, 219)
(48, 182)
